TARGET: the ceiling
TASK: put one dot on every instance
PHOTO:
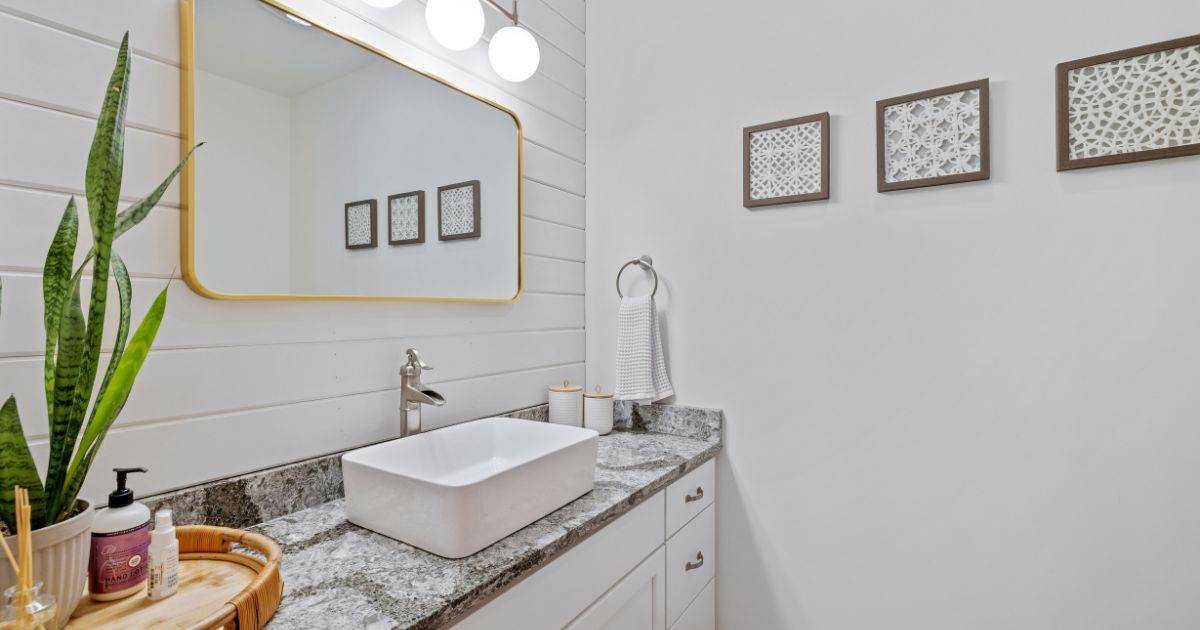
(254, 43)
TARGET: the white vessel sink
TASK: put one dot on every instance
(456, 490)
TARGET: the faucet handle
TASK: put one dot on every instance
(414, 360)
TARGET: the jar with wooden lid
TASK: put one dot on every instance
(566, 404)
(598, 411)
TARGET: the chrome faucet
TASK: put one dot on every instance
(413, 394)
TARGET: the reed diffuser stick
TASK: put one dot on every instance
(11, 559)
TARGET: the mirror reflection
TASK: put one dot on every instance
(330, 170)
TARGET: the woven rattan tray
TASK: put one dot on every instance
(218, 587)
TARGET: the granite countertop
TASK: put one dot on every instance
(337, 574)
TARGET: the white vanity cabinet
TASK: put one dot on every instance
(651, 569)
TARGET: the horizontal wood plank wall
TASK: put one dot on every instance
(233, 387)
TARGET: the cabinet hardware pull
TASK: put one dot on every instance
(688, 498)
(697, 564)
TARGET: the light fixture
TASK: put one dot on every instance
(514, 54)
(381, 4)
(280, 13)
(455, 24)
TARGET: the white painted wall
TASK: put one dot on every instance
(384, 130)
(960, 407)
(234, 386)
(245, 188)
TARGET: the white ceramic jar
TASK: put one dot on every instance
(598, 411)
(566, 404)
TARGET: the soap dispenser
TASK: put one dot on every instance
(120, 542)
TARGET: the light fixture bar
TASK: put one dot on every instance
(510, 15)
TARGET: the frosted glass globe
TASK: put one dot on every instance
(455, 24)
(514, 54)
(381, 4)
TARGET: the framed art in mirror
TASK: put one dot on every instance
(361, 218)
(406, 218)
(458, 211)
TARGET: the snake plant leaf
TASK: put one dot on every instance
(17, 469)
(106, 158)
(125, 291)
(56, 285)
(110, 405)
(134, 214)
(71, 330)
(103, 186)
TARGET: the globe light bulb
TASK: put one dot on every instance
(381, 4)
(455, 24)
(514, 54)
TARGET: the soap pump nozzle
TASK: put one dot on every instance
(122, 496)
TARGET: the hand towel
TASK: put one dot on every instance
(641, 367)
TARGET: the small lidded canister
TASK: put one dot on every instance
(598, 411)
(566, 404)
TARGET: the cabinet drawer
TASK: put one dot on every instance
(691, 562)
(702, 613)
(689, 495)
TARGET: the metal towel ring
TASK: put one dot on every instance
(645, 262)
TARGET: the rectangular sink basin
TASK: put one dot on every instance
(456, 490)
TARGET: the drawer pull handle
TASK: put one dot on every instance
(688, 498)
(697, 564)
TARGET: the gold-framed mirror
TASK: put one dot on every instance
(331, 170)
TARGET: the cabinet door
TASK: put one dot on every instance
(702, 613)
(637, 602)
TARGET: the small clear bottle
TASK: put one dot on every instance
(164, 557)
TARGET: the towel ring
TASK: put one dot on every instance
(645, 262)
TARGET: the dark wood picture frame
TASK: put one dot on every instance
(420, 238)
(474, 184)
(1062, 112)
(823, 193)
(985, 162)
(374, 224)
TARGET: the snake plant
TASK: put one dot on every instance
(79, 413)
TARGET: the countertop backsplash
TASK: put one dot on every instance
(260, 496)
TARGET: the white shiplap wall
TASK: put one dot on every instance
(231, 386)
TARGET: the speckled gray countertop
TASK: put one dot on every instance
(339, 575)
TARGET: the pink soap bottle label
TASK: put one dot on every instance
(119, 559)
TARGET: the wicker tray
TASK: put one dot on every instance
(218, 587)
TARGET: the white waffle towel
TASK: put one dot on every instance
(641, 367)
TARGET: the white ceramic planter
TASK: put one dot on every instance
(60, 560)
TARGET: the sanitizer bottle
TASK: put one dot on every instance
(164, 557)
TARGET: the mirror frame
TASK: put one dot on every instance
(187, 180)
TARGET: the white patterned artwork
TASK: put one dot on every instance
(406, 218)
(360, 224)
(458, 211)
(933, 137)
(786, 161)
(1131, 105)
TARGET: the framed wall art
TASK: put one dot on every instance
(406, 218)
(786, 161)
(1130, 105)
(933, 137)
(458, 211)
(361, 218)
